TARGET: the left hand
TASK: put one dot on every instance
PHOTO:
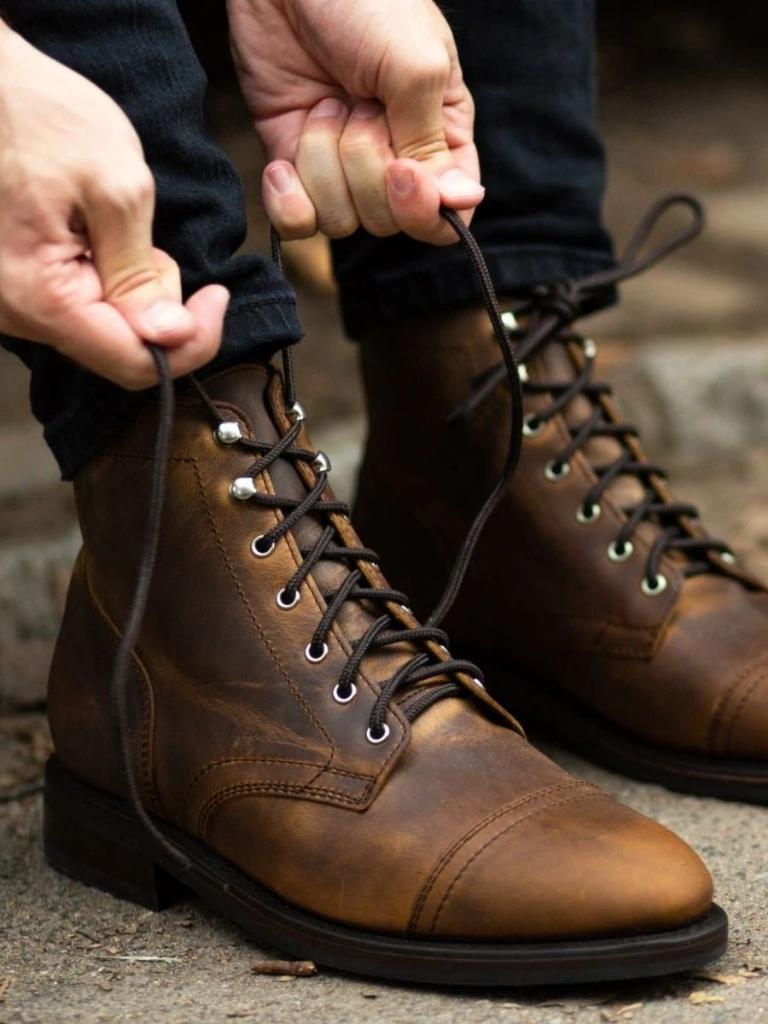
(363, 112)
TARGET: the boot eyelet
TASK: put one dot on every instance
(321, 463)
(243, 488)
(314, 656)
(296, 412)
(532, 425)
(259, 549)
(556, 470)
(510, 321)
(478, 683)
(380, 738)
(228, 432)
(728, 557)
(282, 601)
(589, 348)
(406, 609)
(344, 700)
(522, 373)
(585, 518)
(620, 554)
(444, 649)
(658, 587)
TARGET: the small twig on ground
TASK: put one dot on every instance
(5, 984)
(286, 968)
(8, 796)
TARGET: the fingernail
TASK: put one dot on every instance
(280, 178)
(403, 180)
(328, 108)
(367, 110)
(455, 184)
(165, 316)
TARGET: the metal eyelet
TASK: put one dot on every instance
(595, 511)
(406, 609)
(659, 585)
(281, 601)
(377, 739)
(321, 463)
(532, 425)
(589, 348)
(728, 557)
(344, 700)
(556, 470)
(228, 432)
(296, 412)
(522, 373)
(622, 555)
(261, 552)
(510, 321)
(444, 649)
(478, 682)
(315, 658)
(243, 488)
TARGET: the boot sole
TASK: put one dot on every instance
(559, 716)
(92, 837)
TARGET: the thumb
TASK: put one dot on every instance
(134, 281)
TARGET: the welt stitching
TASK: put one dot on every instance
(498, 835)
(471, 833)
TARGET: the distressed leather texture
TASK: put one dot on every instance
(686, 669)
(454, 828)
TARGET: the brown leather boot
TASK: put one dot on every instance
(316, 766)
(597, 604)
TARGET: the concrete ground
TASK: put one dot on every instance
(688, 350)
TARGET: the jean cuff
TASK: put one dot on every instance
(444, 280)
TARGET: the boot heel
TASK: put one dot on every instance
(90, 837)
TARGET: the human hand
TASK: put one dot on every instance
(363, 112)
(78, 270)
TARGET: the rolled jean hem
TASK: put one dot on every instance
(253, 329)
(447, 282)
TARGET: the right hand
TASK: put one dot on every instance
(78, 270)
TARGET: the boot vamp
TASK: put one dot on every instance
(476, 836)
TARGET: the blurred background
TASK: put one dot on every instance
(684, 105)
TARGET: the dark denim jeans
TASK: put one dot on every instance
(530, 67)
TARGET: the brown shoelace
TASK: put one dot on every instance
(386, 629)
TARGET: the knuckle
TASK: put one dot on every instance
(131, 191)
(341, 226)
(431, 69)
(380, 228)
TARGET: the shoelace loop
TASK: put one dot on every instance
(553, 307)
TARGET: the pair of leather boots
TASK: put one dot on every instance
(296, 748)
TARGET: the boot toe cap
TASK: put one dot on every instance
(585, 867)
(743, 721)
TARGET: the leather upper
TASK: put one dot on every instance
(685, 668)
(454, 827)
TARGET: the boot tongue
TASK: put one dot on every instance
(257, 392)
